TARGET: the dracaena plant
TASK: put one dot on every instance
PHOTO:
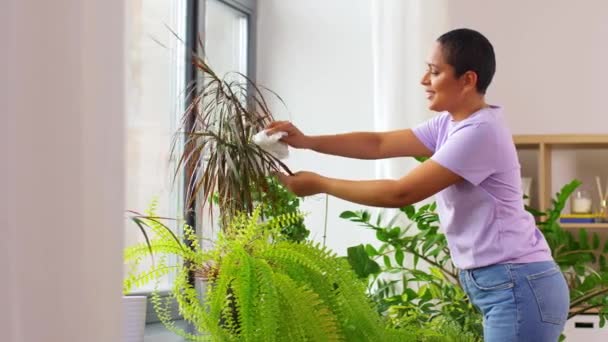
(218, 155)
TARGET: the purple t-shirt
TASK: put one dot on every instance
(483, 216)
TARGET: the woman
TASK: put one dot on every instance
(506, 265)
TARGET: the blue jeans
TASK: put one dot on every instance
(519, 302)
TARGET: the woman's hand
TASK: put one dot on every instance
(294, 138)
(303, 183)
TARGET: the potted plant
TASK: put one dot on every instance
(219, 161)
(263, 287)
(260, 285)
(438, 299)
(134, 317)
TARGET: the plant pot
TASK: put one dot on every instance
(134, 318)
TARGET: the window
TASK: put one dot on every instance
(157, 73)
(226, 37)
(154, 90)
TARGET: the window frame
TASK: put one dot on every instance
(195, 27)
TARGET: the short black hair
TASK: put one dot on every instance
(468, 50)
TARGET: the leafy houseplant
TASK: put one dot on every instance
(277, 200)
(219, 156)
(439, 297)
(222, 166)
(262, 286)
(409, 292)
(581, 257)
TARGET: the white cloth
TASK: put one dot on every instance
(271, 143)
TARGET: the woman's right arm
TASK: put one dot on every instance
(360, 145)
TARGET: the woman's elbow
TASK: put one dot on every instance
(400, 200)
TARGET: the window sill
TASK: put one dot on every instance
(156, 332)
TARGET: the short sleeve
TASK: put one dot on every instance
(470, 152)
(428, 132)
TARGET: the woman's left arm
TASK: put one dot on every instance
(424, 181)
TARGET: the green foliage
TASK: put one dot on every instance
(262, 287)
(452, 332)
(581, 257)
(218, 154)
(431, 294)
(276, 200)
(423, 294)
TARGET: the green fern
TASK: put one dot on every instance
(261, 287)
(316, 320)
(333, 278)
(268, 301)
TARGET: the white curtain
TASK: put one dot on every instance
(61, 179)
(402, 34)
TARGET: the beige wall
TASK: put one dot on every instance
(551, 60)
(551, 74)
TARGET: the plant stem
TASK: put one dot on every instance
(441, 268)
(325, 224)
(588, 296)
(454, 276)
(580, 251)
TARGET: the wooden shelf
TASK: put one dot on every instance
(545, 144)
(601, 140)
(585, 225)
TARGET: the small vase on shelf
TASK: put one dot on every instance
(602, 215)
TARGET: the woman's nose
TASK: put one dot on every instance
(425, 79)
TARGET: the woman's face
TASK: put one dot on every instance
(443, 90)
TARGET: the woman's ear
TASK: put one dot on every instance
(469, 80)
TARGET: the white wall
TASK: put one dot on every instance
(317, 56)
(61, 176)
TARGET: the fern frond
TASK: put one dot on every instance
(136, 252)
(158, 246)
(144, 278)
(295, 332)
(268, 312)
(244, 287)
(192, 238)
(314, 318)
(359, 319)
(216, 299)
(159, 229)
(284, 220)
(164, 314)
(188, 299)
(152, 207)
